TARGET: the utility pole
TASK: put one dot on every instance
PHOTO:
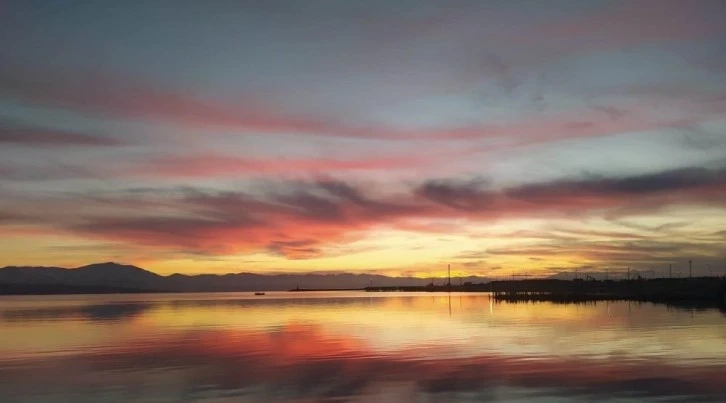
(449, 275)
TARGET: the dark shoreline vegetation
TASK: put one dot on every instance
(113, 278)
(698, 291)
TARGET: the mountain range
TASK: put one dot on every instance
(115, 277)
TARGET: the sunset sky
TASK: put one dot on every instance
(383, 136)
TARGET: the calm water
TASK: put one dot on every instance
(354, 347)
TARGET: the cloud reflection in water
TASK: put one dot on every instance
(304, 352)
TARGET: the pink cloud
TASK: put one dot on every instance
(115, 96)
(306, 217)
(216, 165)
(119, 97)
(303, 220)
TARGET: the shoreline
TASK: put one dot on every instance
(660, 290)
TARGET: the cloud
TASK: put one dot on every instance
(577, 233)
(177, 231)
(580, 195)
(610, 250)
(13, 133)
(219, 165)
(301, 219)
(467, 195)
(45, 169)
(12, 217)
(298, 249)
(625, 25)
(325, 211)
(424, 91)
(100, 93)
(662, 228)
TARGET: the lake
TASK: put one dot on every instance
(354, 347)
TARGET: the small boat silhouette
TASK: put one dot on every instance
(259, 293)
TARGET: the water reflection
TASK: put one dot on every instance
(95, 312)
(358, 348)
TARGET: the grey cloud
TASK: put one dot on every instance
(15, 133)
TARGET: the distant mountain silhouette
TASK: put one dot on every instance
(112, 275)
(115, 277)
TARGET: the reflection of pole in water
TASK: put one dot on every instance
(449, 283)
(449, 305)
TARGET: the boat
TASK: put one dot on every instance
(259, 293)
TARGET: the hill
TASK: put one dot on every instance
(115, 277)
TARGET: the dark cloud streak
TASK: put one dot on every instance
(17, 134)
(298, 219)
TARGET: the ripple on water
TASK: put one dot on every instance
(355, 347)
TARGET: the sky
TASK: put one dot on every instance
(389, 137)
